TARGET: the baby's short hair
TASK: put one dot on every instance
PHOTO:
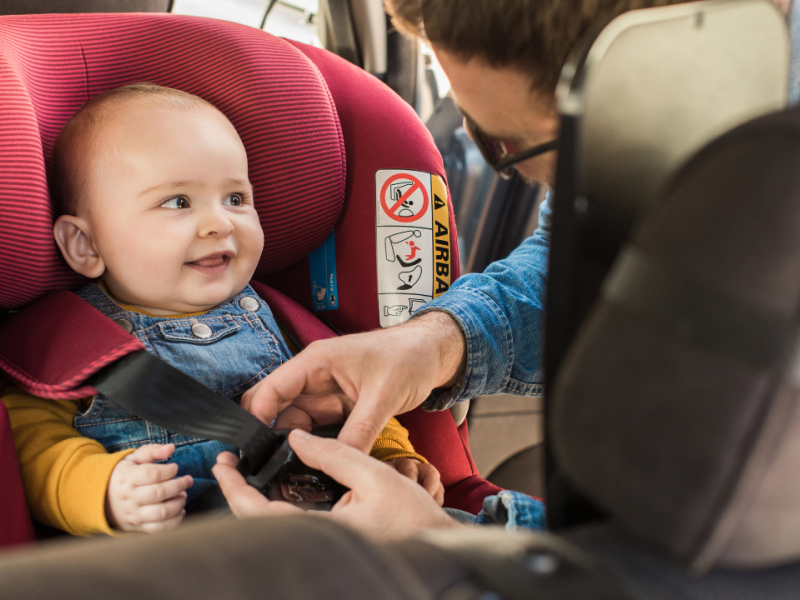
(68, 181)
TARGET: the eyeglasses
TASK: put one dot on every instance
(495, 154)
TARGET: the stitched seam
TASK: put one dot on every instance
(62, 390)
(258, 326)
(126, 420)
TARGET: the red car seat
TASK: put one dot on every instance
(316, 130)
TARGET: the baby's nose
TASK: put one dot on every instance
(217, 224)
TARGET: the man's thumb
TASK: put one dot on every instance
(364, 424)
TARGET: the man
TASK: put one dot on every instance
(503, 59)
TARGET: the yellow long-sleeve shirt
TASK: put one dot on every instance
(65, 475)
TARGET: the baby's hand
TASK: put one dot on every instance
(143, 496)
(423, 473)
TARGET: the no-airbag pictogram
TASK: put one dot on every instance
(404, 198)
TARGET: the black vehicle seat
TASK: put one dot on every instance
(676, 409)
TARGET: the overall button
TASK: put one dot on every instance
(201, 330)
(249, 303)
(125, 324)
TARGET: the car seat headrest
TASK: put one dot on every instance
(274, 96)
(677, 409)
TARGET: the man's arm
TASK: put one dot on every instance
(369, 376)
(482, 337)
(501, 314)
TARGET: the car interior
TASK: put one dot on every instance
(667, 466)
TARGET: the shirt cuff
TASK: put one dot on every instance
(489, 345)
(82, 491)
(513, 511)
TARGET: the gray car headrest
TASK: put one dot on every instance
(677, 409)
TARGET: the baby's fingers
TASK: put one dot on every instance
(163, 511)
(431, 480)
(150, 453)
(149, 474)
(158, 492)
(161, 526)
(408, 467)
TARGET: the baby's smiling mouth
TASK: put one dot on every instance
(213, 263)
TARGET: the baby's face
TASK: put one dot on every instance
(171, 208)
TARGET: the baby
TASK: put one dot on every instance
(155, 205)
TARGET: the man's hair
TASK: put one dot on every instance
(78, 139)
(532, 36)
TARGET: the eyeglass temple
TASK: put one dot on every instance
(530, 153)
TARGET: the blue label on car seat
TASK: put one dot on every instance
(322, 264)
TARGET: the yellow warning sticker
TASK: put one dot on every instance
(413, 242)
(441, 237)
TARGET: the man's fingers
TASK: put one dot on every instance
(345, 464)
(276, 391)
(365, 423)
(243, 499)
(163, 511)
(228, 458)
(150, 453)
(153, 494)
(147, 474)
(293, 417)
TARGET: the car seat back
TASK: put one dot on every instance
(313, 159)
(637, 99)
(678, 407)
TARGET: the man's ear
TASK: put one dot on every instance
(74, 239)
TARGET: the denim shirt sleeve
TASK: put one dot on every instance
(513, 510)
(501, 312)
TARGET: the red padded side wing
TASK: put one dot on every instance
(51, 347)
(15, 523)
(380, 131)
(435, 436)
(304, 325)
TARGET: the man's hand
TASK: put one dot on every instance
(381, 503)
(424, 474)
(369, 376)
(144, 496)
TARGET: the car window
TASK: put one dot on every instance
(292, 19)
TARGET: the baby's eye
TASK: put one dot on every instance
(177, 202)
(233, 200)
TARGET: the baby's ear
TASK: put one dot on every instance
(74, 239)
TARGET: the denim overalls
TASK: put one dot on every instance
(228, 349)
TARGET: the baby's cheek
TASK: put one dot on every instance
(251, 243)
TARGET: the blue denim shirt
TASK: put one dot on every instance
(228, 349)
(501, 312)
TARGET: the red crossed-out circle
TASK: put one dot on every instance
(391, 211)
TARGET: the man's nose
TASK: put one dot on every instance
(215, 222)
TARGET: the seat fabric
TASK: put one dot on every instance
(51, 64)
(15, 523)
(302, 113)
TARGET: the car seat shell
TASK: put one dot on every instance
(312, 161)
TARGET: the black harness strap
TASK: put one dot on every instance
(158, 392)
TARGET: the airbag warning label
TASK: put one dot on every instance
(413, 242)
